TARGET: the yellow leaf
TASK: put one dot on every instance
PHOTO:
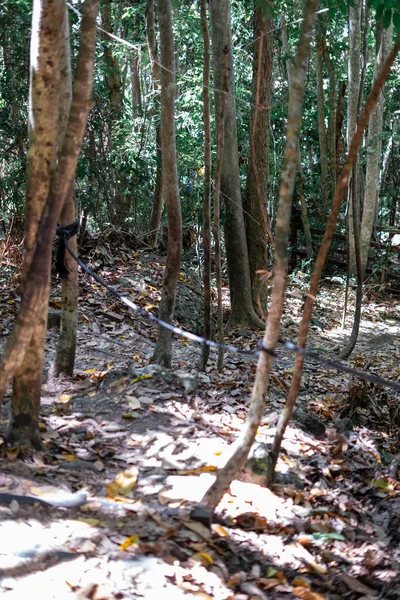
(69, 457)
(89, 371)
(64, 398)
(205, 469)
(219, 530)
(130, 541)
(130, 415)
(90, 521)
(123, 483)
(203, 558)
(141, 378)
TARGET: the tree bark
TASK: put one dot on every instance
(36, 285)
(303, 205)
(256, 218)
(374, 151)
(207, 185)
(135, 86)
(242, 310)
(332, 114)
(162, 353)
(321, 123)
(238, 459)
(352, 103)
(156, 211)
(66, 347)
(43, 119)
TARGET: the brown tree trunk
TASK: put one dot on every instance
(256, 218)
(207, 185)
(163, 351)
(234, 228)
(43, 120)
(238, 459)
(66, 347)
(36, 285)
(156, 211)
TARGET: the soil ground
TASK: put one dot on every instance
(142, 442)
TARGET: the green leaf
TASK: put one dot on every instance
(376, 3)
(396, 20)
(387, 18)
(328, 536)
(379, 12)
(382, 484)
(343, 8)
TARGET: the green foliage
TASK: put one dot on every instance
(388, 11)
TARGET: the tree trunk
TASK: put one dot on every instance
(113, 70)
(321, 124)
(156, 211)
(332, 114)
(135, 86)
(43, 119)
(162, 353)
(303, 205)
(256, 218)
(66, 347)
(237, 461)
(374, 151)
(207, 185)
(352, 104)
(242, 310)
(36, 285)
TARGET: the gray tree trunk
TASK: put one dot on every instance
(374, 151)
(242, 310)
(163, 351)
(323, 150)
(66, 347)
(354, 64)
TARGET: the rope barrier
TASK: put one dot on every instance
(65, 232)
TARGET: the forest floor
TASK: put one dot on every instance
(141, 441)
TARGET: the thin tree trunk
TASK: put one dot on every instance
(303, 205)
(163, 351)
(374, 151)
(36, 282)
(156, 211)
(323, 253)
(66, 347)
(43, 118)
(352, 103)
(321, 124)
(242, 310)
(238, 459)
(135, 86)
(256, 218)
(207, 184)
(332, 113)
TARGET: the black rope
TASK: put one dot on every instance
(65, 234)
